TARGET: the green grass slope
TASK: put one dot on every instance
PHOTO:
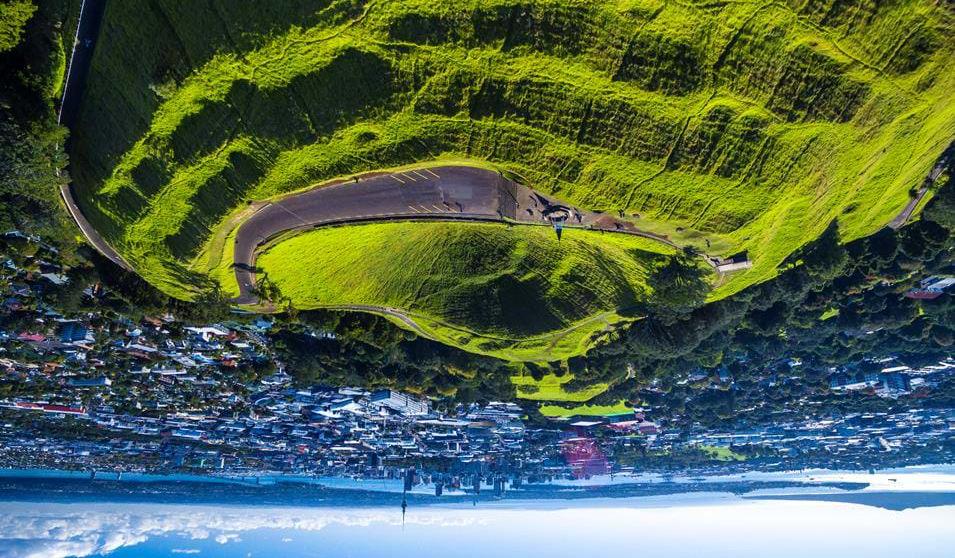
(750, 124)
(521, 294)
(551, 388)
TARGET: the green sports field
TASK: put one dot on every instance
(737, 126)
(617, 409)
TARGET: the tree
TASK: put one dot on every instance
(678, 285)
(31, 143)
(825, 258)
(14, 15)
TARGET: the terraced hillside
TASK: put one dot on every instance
(732, 126)
(511, 292)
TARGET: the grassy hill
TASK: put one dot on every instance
(747, 124)
(508, 291)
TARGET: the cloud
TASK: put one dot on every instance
(59, 531)
(186, 551)
(226, 538)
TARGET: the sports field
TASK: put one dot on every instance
(614, 410)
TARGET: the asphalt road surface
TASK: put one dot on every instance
(453, 193)
(87, 30)
(906, 213)
(93, 237)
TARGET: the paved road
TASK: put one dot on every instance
(87, 31)
(449, 193)
(383, 310)
(457, 193)
(93, 237)
(907, 211)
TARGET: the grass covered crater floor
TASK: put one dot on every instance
(504, 286)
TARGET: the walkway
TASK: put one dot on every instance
(906, 213)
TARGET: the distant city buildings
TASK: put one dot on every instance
(400, 403)
(91, 391)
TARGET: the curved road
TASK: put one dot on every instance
(447, 193)
(93, 237)
(906, 214)
(84, 43)
(452, 193)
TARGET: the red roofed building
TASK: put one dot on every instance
(585, 457)
(50, 408)
(649, 428)
(923, 295)
(32, 337)
(28, 405)
(64, 409)
(931, 288)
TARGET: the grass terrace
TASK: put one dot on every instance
(741, 126)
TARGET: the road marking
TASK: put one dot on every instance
(432, 173)
(436, 208)
(421, 175)
(413, 209)
(398, 179)
(404, 174)
(292, 213)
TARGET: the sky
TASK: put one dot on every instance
(690, 525)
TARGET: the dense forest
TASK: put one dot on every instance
(33, 45)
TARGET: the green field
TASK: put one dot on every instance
(551, 388)
(750, 125)
(616, 409)
(523, 294)
(720, 453)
